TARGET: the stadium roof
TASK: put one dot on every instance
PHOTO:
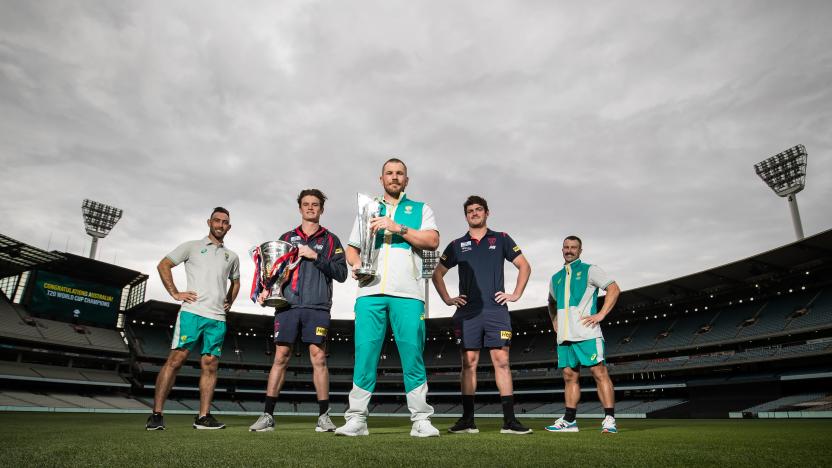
(17, 257)
(95, 271)
(797, 256)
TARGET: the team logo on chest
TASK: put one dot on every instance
(492, 243)
(408, 209)
(319, 245)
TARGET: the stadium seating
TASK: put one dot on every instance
(818, 312)
(121, 402)
(13, 326)
(787, 402)
(152, 341)
(16, 323)
(40, 371)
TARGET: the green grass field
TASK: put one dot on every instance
(61, 439)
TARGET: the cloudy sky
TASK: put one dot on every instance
(632, 124)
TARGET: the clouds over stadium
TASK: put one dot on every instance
(633, 125)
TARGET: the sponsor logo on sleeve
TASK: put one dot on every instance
(320, 331)
(594, 357)
(339, 250)
(516, 248)
(204, 249)
(505, 335)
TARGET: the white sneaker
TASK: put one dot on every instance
(562, 425)
(264, 423)
(324, 423)
(423, 428)
(353, 427)
(608, 426)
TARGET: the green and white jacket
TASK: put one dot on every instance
(575, 290)
(399, 266)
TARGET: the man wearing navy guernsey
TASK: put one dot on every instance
(396, 293)
(309, 293)
(573, 307)
(482, 318)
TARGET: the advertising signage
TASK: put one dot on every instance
(59, 297)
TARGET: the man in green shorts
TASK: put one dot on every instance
(209, 266)
(573, 307)
(396, 294)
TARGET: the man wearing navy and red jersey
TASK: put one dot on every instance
(309, 293)
(481, 319)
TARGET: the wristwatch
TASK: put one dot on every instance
(403, 230)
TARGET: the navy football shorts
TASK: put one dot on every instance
(311, 324)
(485, 328)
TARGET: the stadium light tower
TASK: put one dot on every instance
(99, 219)
(785, 173)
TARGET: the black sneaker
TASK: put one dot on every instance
(207, 422)
(514, 427)
(464, 426)
(155, 422)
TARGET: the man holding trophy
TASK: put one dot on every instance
(302, 266)
(385, 254)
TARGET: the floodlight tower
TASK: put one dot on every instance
(99, 219)
(785, 173)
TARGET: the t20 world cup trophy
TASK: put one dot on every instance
(368, 208)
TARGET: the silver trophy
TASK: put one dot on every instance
(368, 208)
(273, 257)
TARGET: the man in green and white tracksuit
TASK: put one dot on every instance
(395, 294)
(573, 307)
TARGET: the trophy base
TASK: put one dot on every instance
(277, 302)
(367, 272)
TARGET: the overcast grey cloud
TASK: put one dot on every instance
(632, 124)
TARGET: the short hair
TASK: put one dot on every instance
(220, 209)
(474, 200)
(315, 193)
(394, 160)
(575, 238)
